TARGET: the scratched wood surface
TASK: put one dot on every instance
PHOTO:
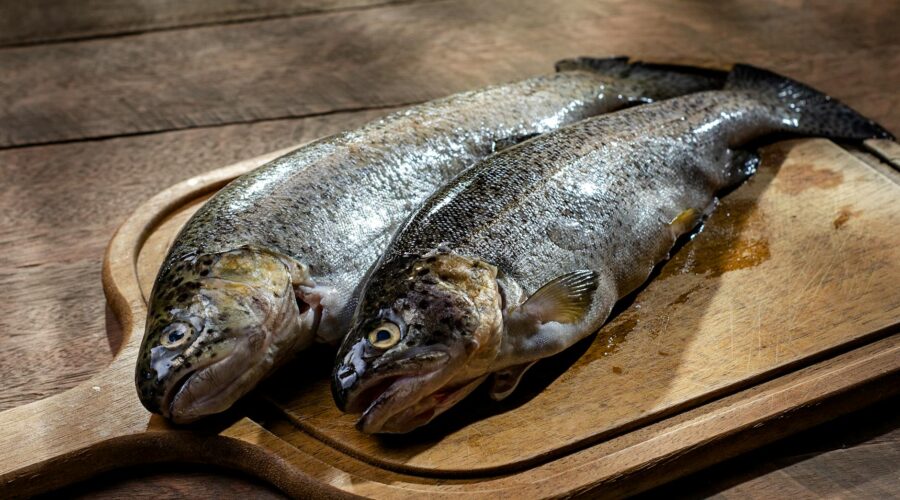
(800, 260)
(59, 203)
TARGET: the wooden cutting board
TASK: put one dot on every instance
(782, 313)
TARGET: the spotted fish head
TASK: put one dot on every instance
(216, 324)
(424, 334)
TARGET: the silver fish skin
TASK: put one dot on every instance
(269, 265)
(526, 252)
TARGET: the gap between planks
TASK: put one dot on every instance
(410, 52)
(348, 111)
(128, 21)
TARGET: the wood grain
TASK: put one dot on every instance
(170, 482)
(56, 20)
(60, 204)
(409, 53)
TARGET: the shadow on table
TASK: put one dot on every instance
(807, 460)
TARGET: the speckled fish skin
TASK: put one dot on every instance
(597, 197)
(318, 217)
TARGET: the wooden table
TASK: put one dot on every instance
(102, 107)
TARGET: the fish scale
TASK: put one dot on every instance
(569, 221)
(645, 165)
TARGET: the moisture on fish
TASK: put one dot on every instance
(526, 252)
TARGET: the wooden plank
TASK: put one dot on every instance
(408, 53)
(37, 21)
(58, 207)
(855, 456)
(887, 150)
(171, 482)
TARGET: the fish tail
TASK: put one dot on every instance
(658, 81)
(810, 112)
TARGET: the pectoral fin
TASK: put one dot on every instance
(566, 299)
(685, 222)
(505, 381)
(545, 324)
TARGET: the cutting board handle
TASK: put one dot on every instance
(54, 441)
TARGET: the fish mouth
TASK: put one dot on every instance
(214, 385)
(420, 413)
(400, 401)
(173, 404)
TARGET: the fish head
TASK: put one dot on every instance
(424, 334)
(216, 324)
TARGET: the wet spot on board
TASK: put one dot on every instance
(681, 299)
(617, 370)
(741, 255)
(733, 238)
(613, 335)
(844, 214)
(799, 178)
(610, 338)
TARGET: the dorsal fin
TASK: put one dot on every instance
(617, 66)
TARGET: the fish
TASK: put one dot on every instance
(271, 263)
(525, 253)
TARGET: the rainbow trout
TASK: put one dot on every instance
(269, 265)
(526, 252)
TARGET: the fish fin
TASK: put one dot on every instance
(614, 66)
(565, 299)
(744, 161)
(559, 314)
(658, 81)
(685, 221)
(807, 111)
(505, 381)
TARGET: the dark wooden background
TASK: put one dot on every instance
(105, 103)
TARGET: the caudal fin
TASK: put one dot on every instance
(659, 81)
(805, 110)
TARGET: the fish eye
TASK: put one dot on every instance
(385, 335)
(175, 334)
